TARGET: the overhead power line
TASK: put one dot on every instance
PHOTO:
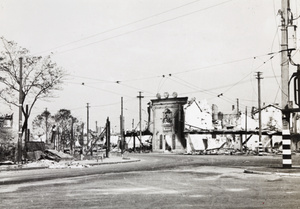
(188, 84)
(185, 83)
(119, 27)
(249, 74)
(205, 67)
(145, 27)
(106, 90)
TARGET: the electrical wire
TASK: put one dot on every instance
(279, 89)
(135, 88)
(206, 67)
(158, 87)
(95, 79)
(176, 73)
(219, 87)
(106, 90)
(162, 84)
(271, 63)
(143, 28)
(115, 103)
(187, 84)
(121, 26)
(250, 73)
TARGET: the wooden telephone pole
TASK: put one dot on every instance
(20, 111)
(258, 77)
(260, 147)
(140, 113)
(122, 128)
(87, 124)
(107, 143)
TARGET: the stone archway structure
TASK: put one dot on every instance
(168, 124)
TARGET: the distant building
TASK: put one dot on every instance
(271, 117)
(6, 129)
(6, 121)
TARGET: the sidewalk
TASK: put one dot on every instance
(48, 164)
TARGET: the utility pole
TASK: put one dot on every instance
(97, 127)
(87, 125)
(107, 137)
(237, 107)
(46, 115)
(72, 144)
(284, 61)
(122, 128)
(133, 135)
(140, 113)
(286, 136)
(20, 111)
(246, 123)
(26, 127)
(258, 76)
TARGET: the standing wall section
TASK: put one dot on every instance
(168, 125)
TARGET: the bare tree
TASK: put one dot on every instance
(43, 122)
(66, 122)
(41, 77)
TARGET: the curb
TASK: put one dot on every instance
(270, 173)
(256, 172)
(116, 162)
(84, 164)
(23, 169)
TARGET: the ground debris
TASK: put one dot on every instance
(54, 164)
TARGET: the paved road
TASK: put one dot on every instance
(157, 181)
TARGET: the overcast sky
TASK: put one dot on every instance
(116, 48)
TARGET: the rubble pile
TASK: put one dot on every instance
(55, 165)
(56, 155)
(53, 159)
(228, 151)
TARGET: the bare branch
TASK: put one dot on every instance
(41, 76)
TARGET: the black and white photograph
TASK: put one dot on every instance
(137, 104)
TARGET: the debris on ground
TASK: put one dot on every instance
(231, 151)
(52, 154)
(54, 164)
(8, 162)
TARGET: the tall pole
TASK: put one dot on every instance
(72, 144)
(107, 137)
(237, 107)
(140, 112)
(122, 128)
(87, 124)
(260, 147)
(246, 123)
(258, 76)
(96, 127)
(46, 111)
(286, 136)
(133, 135)
(284, 62)
(26, 127)
(20, 111)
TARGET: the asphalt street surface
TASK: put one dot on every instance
(157, 181)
